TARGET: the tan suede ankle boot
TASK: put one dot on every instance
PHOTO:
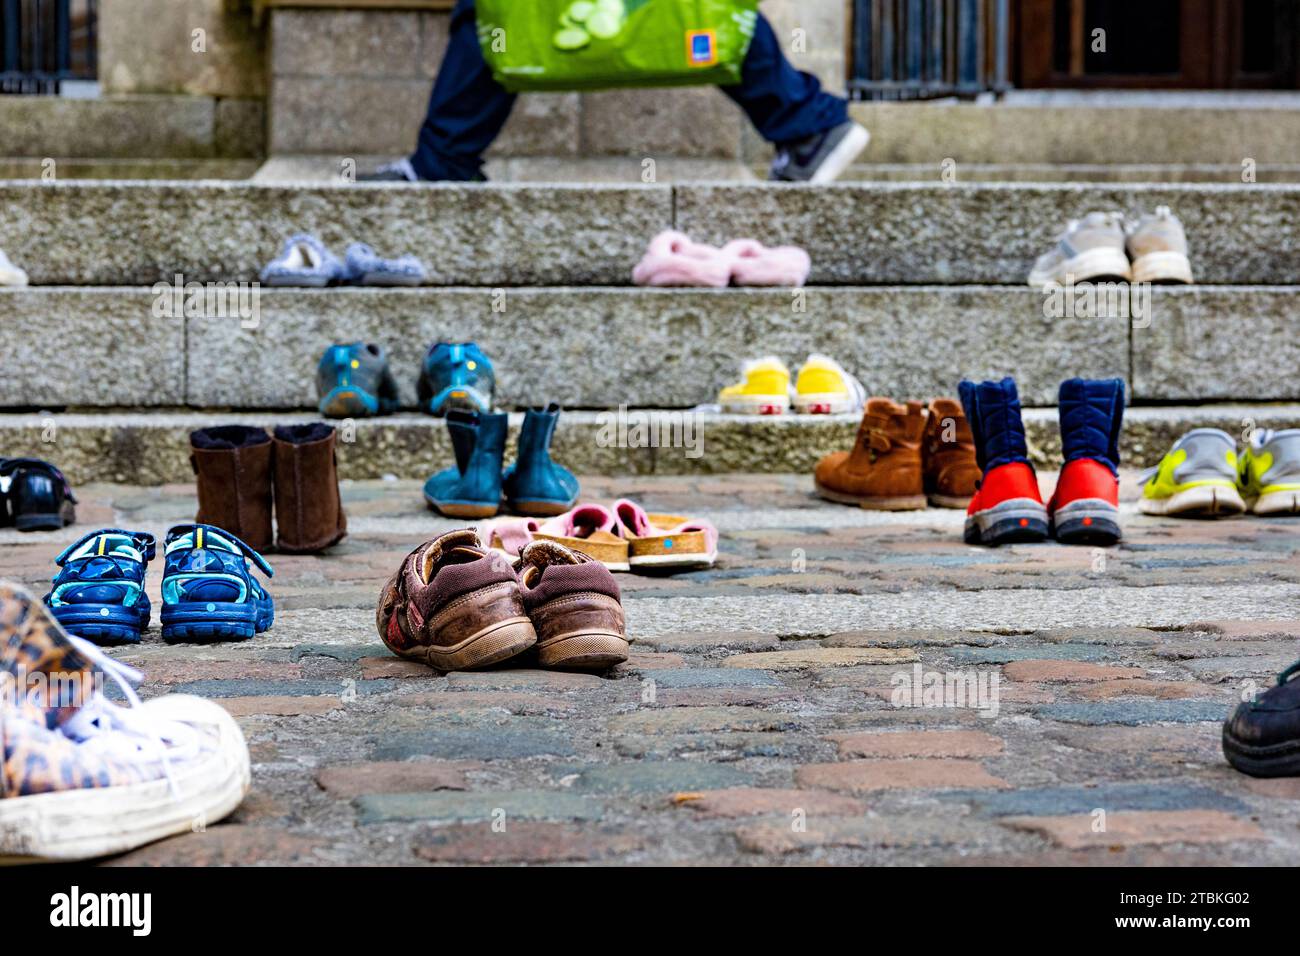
(948, 456)
(883, 471)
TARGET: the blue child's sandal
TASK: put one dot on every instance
(209, 593)
(99, 593)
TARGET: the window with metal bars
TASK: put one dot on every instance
(44, 43)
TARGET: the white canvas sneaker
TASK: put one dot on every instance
(82, 777)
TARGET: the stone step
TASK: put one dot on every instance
(19, 167)
(138, 233)
(673, 168)
(147, 127)
(152, 448)
(1033, 127)
(605, 347)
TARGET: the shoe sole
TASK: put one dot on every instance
(1276, 760)
(1019, 520)
(464, 509)
(349, 403)
(948, 501)
(1277, 503)
(297, 282)
(388, 280)
(470, 399)
(89, 823)
(899, 503)
(757, 405)
(665, 562)
(1162, 268)
(209, 623)
(1087, 267)
(585, 650)
(1088, 521)
(842, 156)
(41, 522)
(829, 404)
(97, 627)
(1203, 501)
(540, 507)
(492, 645)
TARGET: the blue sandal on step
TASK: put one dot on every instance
(99, 593)
(208, 591)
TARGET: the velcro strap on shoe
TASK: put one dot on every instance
(878, 441)
(142, 541)
(248, 552)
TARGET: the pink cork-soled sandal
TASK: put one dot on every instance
(589, 529)
(665, 542)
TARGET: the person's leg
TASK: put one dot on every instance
(467, 108)
(784, 104)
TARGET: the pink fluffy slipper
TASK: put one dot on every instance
(753, 263)
(674, 260)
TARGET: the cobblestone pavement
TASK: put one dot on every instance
(756, 720)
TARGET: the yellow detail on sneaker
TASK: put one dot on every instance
(821, 379)
(1251, 471)
(1163, 484)
(766, 381)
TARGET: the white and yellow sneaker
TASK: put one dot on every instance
(822, 387)
(764, 391)
(1197, 478)
(1268, 472)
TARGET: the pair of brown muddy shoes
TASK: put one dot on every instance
(237, 468)
(905, 457)
(456, 605)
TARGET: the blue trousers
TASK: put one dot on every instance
(468, 108)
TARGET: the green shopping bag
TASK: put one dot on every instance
(598, 44)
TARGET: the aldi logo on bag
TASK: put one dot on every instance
(702, 47)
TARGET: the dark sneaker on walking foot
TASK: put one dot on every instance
(456, 376)
(820, 158)
(209, 592)
(398, 171)
(1262, 736)
(402, 171)
(81, 777)
(99, 592)
(454, 605)
(34, 496)
(354, 381)
(948, 461)
(575, 605)
(882, 472)
(1007, 507)
(1085, 506)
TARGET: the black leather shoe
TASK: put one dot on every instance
(1262, 737)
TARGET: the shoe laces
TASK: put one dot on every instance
(126, 733)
